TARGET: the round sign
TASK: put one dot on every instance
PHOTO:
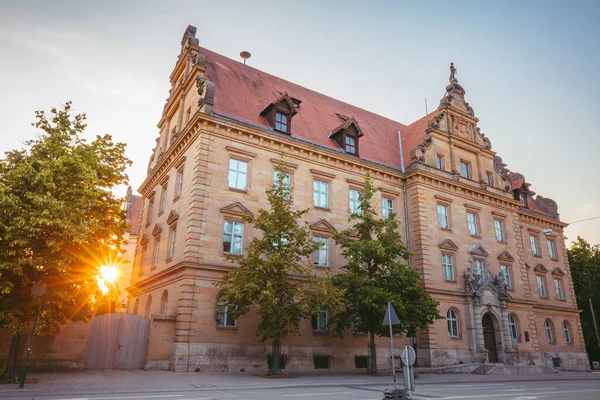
(408, 355)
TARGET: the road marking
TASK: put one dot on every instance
(132, 397)
(518, 390)
(316, 394)
(511, 394)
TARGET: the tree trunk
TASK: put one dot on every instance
(276, 370)
(373, 354)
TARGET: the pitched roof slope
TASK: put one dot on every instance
(242, 92)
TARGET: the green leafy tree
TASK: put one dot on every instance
(584, 260)
(59, 220)
(376, 273)
(275, 277)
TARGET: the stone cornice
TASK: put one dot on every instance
(543, 221)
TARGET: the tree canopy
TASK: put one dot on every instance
(59, 220)
(376, 272)
(275, 276)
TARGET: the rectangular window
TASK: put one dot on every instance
(319, 321)
(350, 145)
(448, 267)
(142, 259)
(171, 250)
(559, 289)
(156, 251)
(233, 233)
(321, 254)
(499, 228)
(506, 276)
(224, 317)
(523, 199)
(281, 122)
(354, 202)
(238, 174)
(321, 194)
(490, 178)
(535, 245)
(465, 169)
(387, 207)
(541, 282)
(179, 186)
(440, 162)
(150, 210)
(479, 269)
(552, 249)
(472, 222)
(163, 199)
(443, 216)
(286, 178)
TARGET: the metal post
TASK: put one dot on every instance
(35, 324)
(392, 343)
(594, 320)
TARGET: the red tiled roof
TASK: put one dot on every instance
(136, 214)
(242, 92)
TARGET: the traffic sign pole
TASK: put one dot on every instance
(392, 343)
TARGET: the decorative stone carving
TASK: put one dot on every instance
(206, 90)
(437, 120)
(549, 206)
(417, 153)
(471, 280)
(501, 169)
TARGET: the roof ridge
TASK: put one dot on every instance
(302, 87)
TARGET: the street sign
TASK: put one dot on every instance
(390, 314)
(408, 355)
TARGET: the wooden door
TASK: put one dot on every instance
(489, 338)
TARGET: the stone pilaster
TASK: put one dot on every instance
(481, 350)
(506, 336)
(471, 331)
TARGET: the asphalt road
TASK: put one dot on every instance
(533, 390)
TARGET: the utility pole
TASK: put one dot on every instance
(594, 320)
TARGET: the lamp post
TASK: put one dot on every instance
(37, 290)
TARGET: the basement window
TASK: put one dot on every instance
(321, 362)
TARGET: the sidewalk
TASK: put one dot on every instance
(113, 382)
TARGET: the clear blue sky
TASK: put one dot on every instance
(530, 69)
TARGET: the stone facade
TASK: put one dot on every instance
(440, 160)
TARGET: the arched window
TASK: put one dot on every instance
(567, 332)
(164, 302)
(148, 305)
(452, 317)
(514, 328)
(136, 306)
(224, 317)
(549, 331)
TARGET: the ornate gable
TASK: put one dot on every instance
(448, 245)
(505, 256)
(540, 268)
(323, 228)
(558, 272)
(157, 230)
(236, 210)
(172, 218)
(478, 250)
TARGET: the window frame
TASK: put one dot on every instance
(317, 193)
(356, 201)
(469, 170)
(317, 319)
(226, 314)
(549, 331)
(475, 261)
(282, 121)
(452, 318)
(534, 242)
(233, 235)
(353, 146)
(171, 241)
(475, 214)
(502, 231)
(567, 335)
(448, 219)
(237, 173)
(552, 249)
(508, 269)
(541, 284)
(155, 252)
(164, 302)
(317, 253)
(515, 334)
(559, 289)
(150, 209)
(445, 266)
(489, 178)
(386, 210)
(440, 162)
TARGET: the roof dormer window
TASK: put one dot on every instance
(350, 145)
(281, 122)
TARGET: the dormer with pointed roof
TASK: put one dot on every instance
(347, 135)
(280, 112)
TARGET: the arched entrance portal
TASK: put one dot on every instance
(489, 338)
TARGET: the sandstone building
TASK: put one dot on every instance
(489, 250)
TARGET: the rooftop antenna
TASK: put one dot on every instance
(245, 55)
(426, 112)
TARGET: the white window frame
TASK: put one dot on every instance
(322, 253)
(453, 326)
(490, 178)
(320, 320)
(567, 332)
(350, 144)
(514, 328)
(558, 287)
(387, 206)
(534, 241)
(440, 162)
(237, 177)
(156, 251)
(163, 198)
(443, 212)
(448, 266)
(465, 169)
(321, 193)
(499, 229)
(172, 238)
(233, 236)
(179, 187)
(472, 223)
(548, 330)
(479, 267)
(552, 249)
(224, 321)
(541, 284)
(507, 276)
(354, 201)
(281, 122)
